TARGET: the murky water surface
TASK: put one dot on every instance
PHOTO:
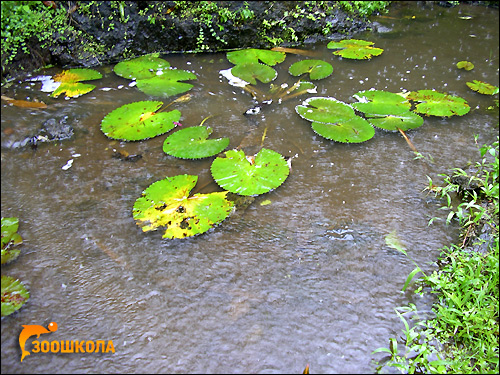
(306, 279)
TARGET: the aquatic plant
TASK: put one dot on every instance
(250, 175)
(193, 143)
(138, 121)
(167, 204)
(317, 69)
(70, 82)
(335, 120)
(387, 110)
(482, 87)
(355, 49)
(248, 64)
(467, 65)
(14, 294)
(438, 104)
(154, 76)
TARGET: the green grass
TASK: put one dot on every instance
(463, 335)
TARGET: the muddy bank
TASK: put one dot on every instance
(106, 32)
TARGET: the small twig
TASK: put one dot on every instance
(408, 141)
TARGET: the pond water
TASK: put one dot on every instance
(305, 279)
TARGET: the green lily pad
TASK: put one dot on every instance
(251, 71)
(167, 204)
(10, 238)
(137, 121)
(193, 143)
(353, 130)
(70, 82)
(438, 104)
(482, 87)
(465, 65)
(355, 49)
(141, 67)
(167, 84)
(14, 295)
(245, 175)
(387, 110)
(325, 110)
(249, 55)
(317, 69)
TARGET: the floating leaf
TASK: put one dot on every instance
(325, 110)
(70, 82)
(355, 49)
(193, 143)
(254, 55)
(139, 120)
(10, 238)
(438, 104)
(245, 175)
(317, 69)
(465, 65)
(251, 71)
(387, 110)
(141, 67)
(482, 87)
(353, 130)
(166, 203)
(14, 295)
(167, 84)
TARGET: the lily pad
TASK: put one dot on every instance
(387, 110)
(167, 84)
(139, 120)
(193, 143)
(141, 67)
(167, 204)
(482, 87)
(10, 238)
(355, 49)
(245, 175)
(14, 295)
(249, 55)
(252, 71)
(465, 65)
(353, 130)
(317, 69)
(325, 110)
(438, 104)
(70, 82)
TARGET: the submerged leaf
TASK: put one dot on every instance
(245, 175)
(137, 121)
(141, 67)
(14, 295)
(355, 49)
(317, 69)
(482, 87)
(193, 143)
(166, 203)
(254, 55)
(438, 104)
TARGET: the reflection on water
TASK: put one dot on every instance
(306, 279)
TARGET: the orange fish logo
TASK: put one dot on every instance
(32, 330)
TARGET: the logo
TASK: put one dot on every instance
(33, 330)
(68, 346)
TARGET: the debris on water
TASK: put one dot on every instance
(68, 165)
